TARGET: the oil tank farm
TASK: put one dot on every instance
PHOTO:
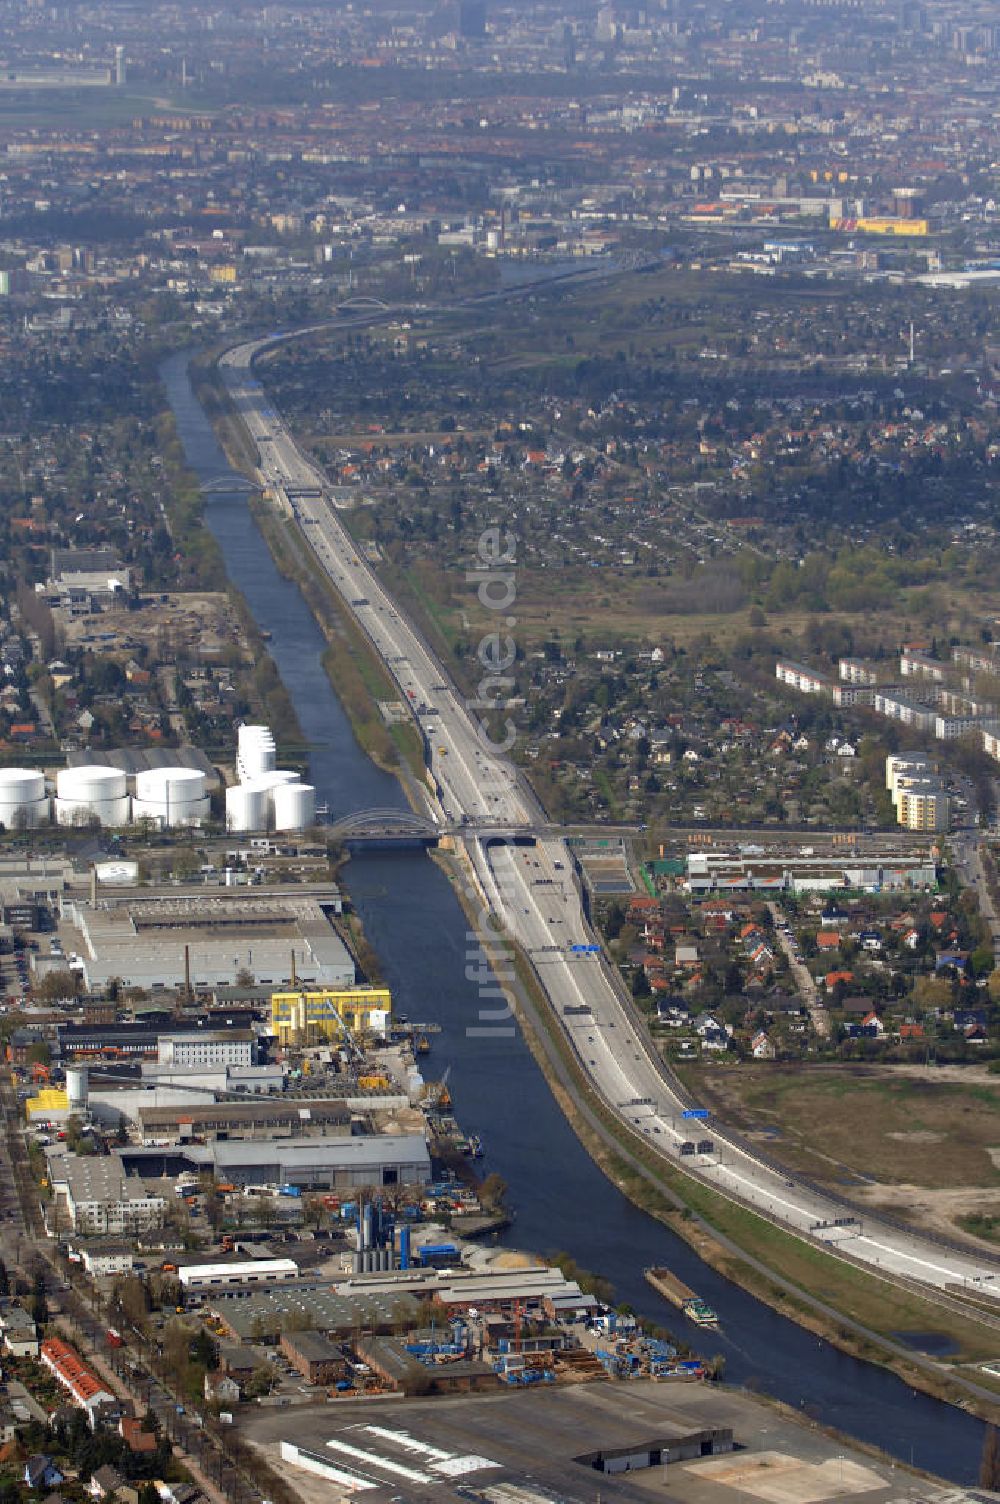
(266, 797)
(23, 801)
(92, 792)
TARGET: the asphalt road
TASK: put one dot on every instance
(534, 893)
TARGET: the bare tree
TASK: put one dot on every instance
(989, 1466)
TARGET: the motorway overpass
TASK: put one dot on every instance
(533, 891)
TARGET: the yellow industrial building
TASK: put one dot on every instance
(884, 226)
(329, 1011)
(50, 1106)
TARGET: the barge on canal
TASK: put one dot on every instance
(677, 1292)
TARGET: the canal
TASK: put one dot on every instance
(560, 1199)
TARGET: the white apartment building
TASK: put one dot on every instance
(947, 727)
(808, 681)
(898, 705)
(853, 694)
(982, 660)
(923, 805)
(856, 671)
(917, 665)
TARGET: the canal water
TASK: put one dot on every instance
(560, 1199)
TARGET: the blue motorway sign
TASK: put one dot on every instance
(695, 1112)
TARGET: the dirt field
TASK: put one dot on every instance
(202, 624)
(862, 1128)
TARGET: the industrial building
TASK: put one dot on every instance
(314, 1356)
(50, 1105)
(243, 1120)
(173, 1046)
(209, 1047)
(331, 1162)
(195, 1278)
(758, 871)
(327, 1012)
(261, 1315)
(253, 1080)
(99, 1198)
(163, 939)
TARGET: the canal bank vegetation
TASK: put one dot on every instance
(860, 1314)
(232, 434)
(204, 569)
(184, 510)
(353, 668)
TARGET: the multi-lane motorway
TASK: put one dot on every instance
(532, 888)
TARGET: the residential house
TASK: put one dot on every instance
(41, 1472)
(105, 1482)
(761, 1047)
(222, 1388)
(713, 1035)
(135, 1438)
(20, 1334)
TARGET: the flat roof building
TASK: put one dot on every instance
(100, 1198)
(245, 1120)
(156, 940)
(197, 1277)
(329, 1162)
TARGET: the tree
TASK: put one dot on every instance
(38, 1304)
(493, 1191)
(57, 986)
(260, 1382)
(989, 1466)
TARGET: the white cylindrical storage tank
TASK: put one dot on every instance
(77, 1087)
(247, 807)
(171, 796)
(276, 778)
(294, 806)
(92, 792)
(255, 752)
(22, 798)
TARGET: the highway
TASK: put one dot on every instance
(532, 888)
